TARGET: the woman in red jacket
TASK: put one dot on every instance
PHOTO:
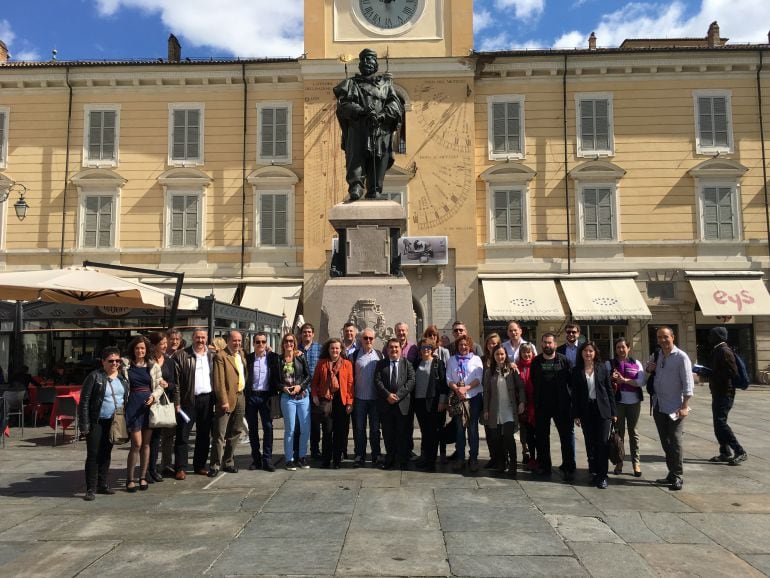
(332, 390)
(527, 419)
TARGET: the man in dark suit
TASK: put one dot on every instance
(394, 380)
(259, 390)
(571, 343)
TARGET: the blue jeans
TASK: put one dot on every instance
(476, 404)
(363, 409)
(291, 409)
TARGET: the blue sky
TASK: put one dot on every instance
(125, 29)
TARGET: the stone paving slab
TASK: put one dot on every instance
(582, 529)
(744, 503)
(507, 497)
(268, 556)
(291, 525)
(504, 566)
(760, 561)
(603, 560)
(673, 529)
(315, 496)
(506, 543)
(641, 497)
(403, 553)
(395, 510)
(631, 527)
(739, 533)
(68, 558)
(695, 560)
(461, 518)
(170, 560)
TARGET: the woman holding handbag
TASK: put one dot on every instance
(291, 378)
(103, 395)
(463, 374)
(162, 437)
(594, 408)
(333, 393)
(628, 378)
(145, 382)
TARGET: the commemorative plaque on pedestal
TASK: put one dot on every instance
(366, 287)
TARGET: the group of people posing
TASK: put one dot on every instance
(317, 389)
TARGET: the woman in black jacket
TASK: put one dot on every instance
(430, 395)
(594, 406)
(104, 392)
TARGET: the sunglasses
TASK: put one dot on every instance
(571, 332)
(260, 341)
(426, 348)
(112, 360)
(367, 338)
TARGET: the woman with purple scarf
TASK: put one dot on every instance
(463, 374)
(627, 376)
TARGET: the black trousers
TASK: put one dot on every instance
(98, 454)
(202, 417)
(503, 440)
(720, 409)
(315, 431)
(427, 417)
(395, 433)
(335, 431)
(596, 431)
(566, 428)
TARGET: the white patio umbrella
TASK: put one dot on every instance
(86, 286)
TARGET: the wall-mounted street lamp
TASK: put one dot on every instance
(20, 206)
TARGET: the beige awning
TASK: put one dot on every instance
(604, 298)
(273, 299)
(720, 296)
(521, 299)
(222, 293)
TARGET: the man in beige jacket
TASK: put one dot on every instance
(229, 408)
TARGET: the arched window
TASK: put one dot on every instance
(399, 138)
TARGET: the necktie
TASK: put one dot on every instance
(393, 376)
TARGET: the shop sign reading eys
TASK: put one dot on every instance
(738, 299)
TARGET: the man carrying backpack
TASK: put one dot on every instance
(722, 379)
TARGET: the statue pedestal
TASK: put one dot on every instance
(368, 295)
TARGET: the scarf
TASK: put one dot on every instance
(333, 383)
(462, 365)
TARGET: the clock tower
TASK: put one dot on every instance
(400, 28)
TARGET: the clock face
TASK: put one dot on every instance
(390, 15)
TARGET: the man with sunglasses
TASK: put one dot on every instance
(569, 348)
(364, 362)
(258, 394)
(459, 330)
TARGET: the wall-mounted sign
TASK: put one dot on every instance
(416, 251)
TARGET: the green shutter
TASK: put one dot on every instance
(712, 120)
(268, 133)
(186, 134)
(184, 220)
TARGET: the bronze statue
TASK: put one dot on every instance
(369, 111)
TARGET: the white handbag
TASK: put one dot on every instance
(162, 413)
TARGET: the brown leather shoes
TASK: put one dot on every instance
(202, 472)
(180, 475)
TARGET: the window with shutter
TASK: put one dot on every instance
(595, 126)
(597, 214)
(508, 214)
(98, 222)
(718, 214)
(102, 132)
(184, 221)
(713, 122)
(274, 132)
(186, 134)
(3, 136)
(506, 127)
(274, 219)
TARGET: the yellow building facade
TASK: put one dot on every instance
(624, 188)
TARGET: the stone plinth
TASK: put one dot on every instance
(366, 212)
(375, 302)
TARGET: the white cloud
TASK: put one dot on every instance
(572, 39)
(481, 20)
(245, 28)
(523, 9)
(499, 42)
(739, 20)
(26, 55)
(6, 32)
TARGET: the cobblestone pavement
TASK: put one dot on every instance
(366, 522)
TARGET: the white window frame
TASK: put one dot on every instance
(258, 193)
(595, 153)
(523, 188)
(172, 107)
(274, 160)
(390, 191)
(172, 191)
(735, 203)
(83, 195)
(6, 111)
(712, 150)
(87, 110)
(615, 204)
(505, 98)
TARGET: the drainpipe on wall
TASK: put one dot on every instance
(764, 154)
(66, 168)
(566, 167)
(243, 172)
